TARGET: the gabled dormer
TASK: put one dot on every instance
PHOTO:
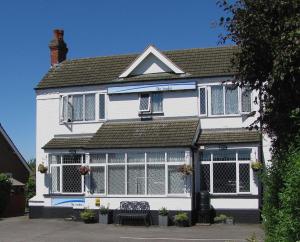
(151, 61)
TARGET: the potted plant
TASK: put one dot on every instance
(42, 168)
(103, 214)
(83, 170)
(229, 220)
(88, 216)
(220, 219)
(256, 166)
(186, 169)
(181, 219)
(163, 219)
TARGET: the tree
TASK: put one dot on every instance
(5, 189)
(31, 184)
(267, 33)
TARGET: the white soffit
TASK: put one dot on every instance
(151, 50)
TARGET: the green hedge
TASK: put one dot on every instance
(281, 210)
(5, 189)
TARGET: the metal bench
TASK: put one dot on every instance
(134, 210)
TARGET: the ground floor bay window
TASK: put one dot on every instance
(132, 173)
(226, 171)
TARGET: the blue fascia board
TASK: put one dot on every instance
(160, 87)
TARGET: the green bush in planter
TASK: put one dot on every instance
(181, 219)
(88, 216)
(103, 210)
(163, 212)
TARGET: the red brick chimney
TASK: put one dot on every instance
(58, 47)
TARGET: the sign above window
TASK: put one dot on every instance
(161, 87)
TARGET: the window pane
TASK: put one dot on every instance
(156, 157)
(244, 154)
(116, 179)
(78, 108)
(71, 178)
(65, 108)
(102, 106)
(98, 158)
(176, 156)
(69, 159)
(217, 105)
(224, 155)
(90, 107)
(202, 101)
(157, 102)
(206, 156)
(134, 157)
(97, 179)
(55, 179)
(224, 176)
(176, 180)
(231, 100)
(244, 173)
(156, 179)
(116, 158)
(205, 178)
(136, 179)
(144, 102)
(246, 100)
(54, 159)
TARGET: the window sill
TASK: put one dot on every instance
(236, 195)
(144, 113)
(139, 196)
(63, 194)
(83, 122)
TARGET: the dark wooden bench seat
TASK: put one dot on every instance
(134, 210)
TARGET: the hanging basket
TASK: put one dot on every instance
(42, 168)
(256, 166)
(83, 170)
(186, 169)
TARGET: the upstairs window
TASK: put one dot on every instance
(101, 106)
(77, 108)
(225, 100)
(202, 100)
(151, 102)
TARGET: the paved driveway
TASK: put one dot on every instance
(33, 230)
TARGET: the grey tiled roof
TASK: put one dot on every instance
(139, 134)
(67, 143)
(222, 136)
(135, 134)
(202, 62)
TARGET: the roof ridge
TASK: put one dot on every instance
(163, 51)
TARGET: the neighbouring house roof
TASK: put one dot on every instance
(15, 182)
(15, 149)
(222, 136)
(136, 134)
(201, 62)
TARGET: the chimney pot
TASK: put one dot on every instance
(58, 47)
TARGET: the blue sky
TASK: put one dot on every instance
(92, 28)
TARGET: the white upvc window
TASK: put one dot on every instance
(77, 108)
(202, 101)
(229, 100)
(226, 171)
(151, 102)
(64, 173)
(102, 108)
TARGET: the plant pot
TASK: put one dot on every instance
(182, 223)
(103, 218)
(163, 220)
(229, 221)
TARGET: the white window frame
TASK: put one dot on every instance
(209, 102)
(104, 165)
(70, 102)
(149, 110)
(61, 164)
(98, 106)
(199, 101)
(241, 101)
(237, 162)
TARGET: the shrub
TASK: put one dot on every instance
(181, 218)
(281, 212)
(88, 215)
(163, 211)
(5, 189)
(30, 189)
(104, 210)
(220, 218)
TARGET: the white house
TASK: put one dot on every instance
(135, 120)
